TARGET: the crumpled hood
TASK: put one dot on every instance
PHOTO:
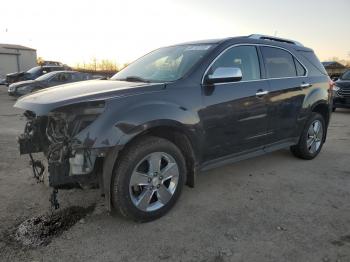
(16, 74)
(44, 101)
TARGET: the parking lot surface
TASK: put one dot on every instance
(271, 208)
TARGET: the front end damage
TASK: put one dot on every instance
(70, 162)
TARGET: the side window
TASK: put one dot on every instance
(56, 78)
(61, 77)
(66, 77)
(243, 57)
(278, 63)
(77, 77)
(300, 69)
(315, 63)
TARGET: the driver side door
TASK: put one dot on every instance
(234, 114)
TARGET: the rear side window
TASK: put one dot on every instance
(278, 63)
(300, 69)
(242, 57)
(313, 60)
(79, 77)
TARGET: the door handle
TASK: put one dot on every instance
(305, 85)
(260, 93)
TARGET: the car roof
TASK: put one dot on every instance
(204, 41)
(65, 71)
(52, 66)
(250, 39)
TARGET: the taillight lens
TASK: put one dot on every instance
(331, 85)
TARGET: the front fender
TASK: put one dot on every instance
(160, 115)
(120, 123)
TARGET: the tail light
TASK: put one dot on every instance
(331, 85)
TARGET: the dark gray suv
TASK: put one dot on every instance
(174, 112)
(342, 91)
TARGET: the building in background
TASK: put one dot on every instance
(16, 58)
(334, 68)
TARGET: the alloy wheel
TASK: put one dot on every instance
(314, 136)
(154, 181)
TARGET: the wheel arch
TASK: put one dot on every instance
(323, 109)
(317, 99)
(171, 130)
(176, 133)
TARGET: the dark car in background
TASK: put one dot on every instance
(342, 91)
(47, 80)
(150, 129)
(33, 73)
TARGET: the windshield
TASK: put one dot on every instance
(34, 70)
(46, 76)
(164, 64)
(346, 75)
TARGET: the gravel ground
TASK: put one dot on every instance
(270, 208)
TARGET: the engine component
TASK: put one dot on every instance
(54, 199)
(82, 162)
(31, 141)
(38, 174)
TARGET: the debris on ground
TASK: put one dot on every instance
(281, 228)
(225, 252)
(231, 236)
(341, 241)
(325, 259)
(40, 230)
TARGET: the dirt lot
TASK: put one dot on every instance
(271, 208)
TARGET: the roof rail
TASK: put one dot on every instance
(273, 38)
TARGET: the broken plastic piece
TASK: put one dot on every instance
(54, 199)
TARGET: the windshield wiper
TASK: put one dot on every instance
(135, 79)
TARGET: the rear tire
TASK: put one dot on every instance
(147, 179)
(311, 139)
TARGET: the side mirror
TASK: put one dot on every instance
(224, 75)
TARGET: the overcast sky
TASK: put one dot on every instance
(76, 31)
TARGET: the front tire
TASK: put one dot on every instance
(311, 139)
(148, 179)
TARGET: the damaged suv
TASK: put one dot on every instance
(150, 129)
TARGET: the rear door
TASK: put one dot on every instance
(287, 80)
(234, 118)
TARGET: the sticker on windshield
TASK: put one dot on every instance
(197, 47)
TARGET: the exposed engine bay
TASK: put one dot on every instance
(69, 163)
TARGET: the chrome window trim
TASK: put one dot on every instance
(261, 79)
